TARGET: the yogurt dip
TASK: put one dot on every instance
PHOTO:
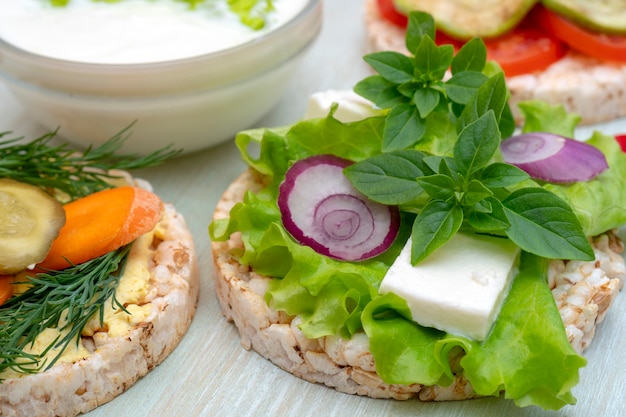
(131, 31)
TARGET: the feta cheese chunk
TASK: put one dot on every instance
(460, 287)
(351, 107)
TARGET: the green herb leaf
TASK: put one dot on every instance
(462, 86)
(492, 95)
(543, 224)
(392, 66)
(500, 175)
(471, 57)
(434, 225)
(419, 26)
(426, 100)
(62, 168)
(438, 186)
(429, 62)
(380, 91)
(475, 192)
(79, 292)
(488, 216)
(403, 128)
(477, 143)
(389, 178)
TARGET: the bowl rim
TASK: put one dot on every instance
(187, 95)
(39, 60)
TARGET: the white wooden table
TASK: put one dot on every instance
(210, 374)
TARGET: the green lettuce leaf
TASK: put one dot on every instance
(527, 354)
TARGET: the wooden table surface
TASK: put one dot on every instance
(210, 374)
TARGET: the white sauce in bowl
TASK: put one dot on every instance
(130, 31)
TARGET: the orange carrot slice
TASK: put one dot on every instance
(6, 288)
(102, 222)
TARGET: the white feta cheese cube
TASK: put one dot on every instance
(351, 107)
(460, 287)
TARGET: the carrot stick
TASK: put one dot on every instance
(102, 222)
(6, 288)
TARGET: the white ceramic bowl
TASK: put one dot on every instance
(192, 103)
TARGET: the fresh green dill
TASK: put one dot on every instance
(61, 168)
(65, 300)
(464, 184)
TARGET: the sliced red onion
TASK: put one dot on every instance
(321, 209)
(553, 158)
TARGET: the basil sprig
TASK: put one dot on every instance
(467, 187)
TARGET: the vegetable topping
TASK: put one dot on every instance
(30, 220)
(6, 288)
(102, 222)
(553, 158)
(321, 209)
(433, 150)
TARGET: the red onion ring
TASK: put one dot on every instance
(553, 158)
(321, 209)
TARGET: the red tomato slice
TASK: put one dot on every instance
(388, 12)
(522, 51)
(621, 139)
(598, 45)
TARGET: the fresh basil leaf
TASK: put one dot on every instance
(438, 186)
(448, 167)
(488, 216)
(434, 226)
(471, 57)
(403, 128)
(507, 122)
(477, 143)
(427, 60)
(447, 55)
(543, 224)
(491, 95)
(408, 89)
(462, 86)
(389, 178)
(392, 66)
(441, 164)
(380, 91)
(426, 100)
(474, 193)
(499, 175)
(419, 26)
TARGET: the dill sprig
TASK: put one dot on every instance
(65, 300)
(61, 168)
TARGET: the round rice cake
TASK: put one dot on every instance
(166, 262)
(347, 365)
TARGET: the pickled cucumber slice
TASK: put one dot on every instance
(30, 220)
(608, 16)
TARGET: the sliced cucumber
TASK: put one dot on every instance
(30, 220)
(607, 16)
(464, 19)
